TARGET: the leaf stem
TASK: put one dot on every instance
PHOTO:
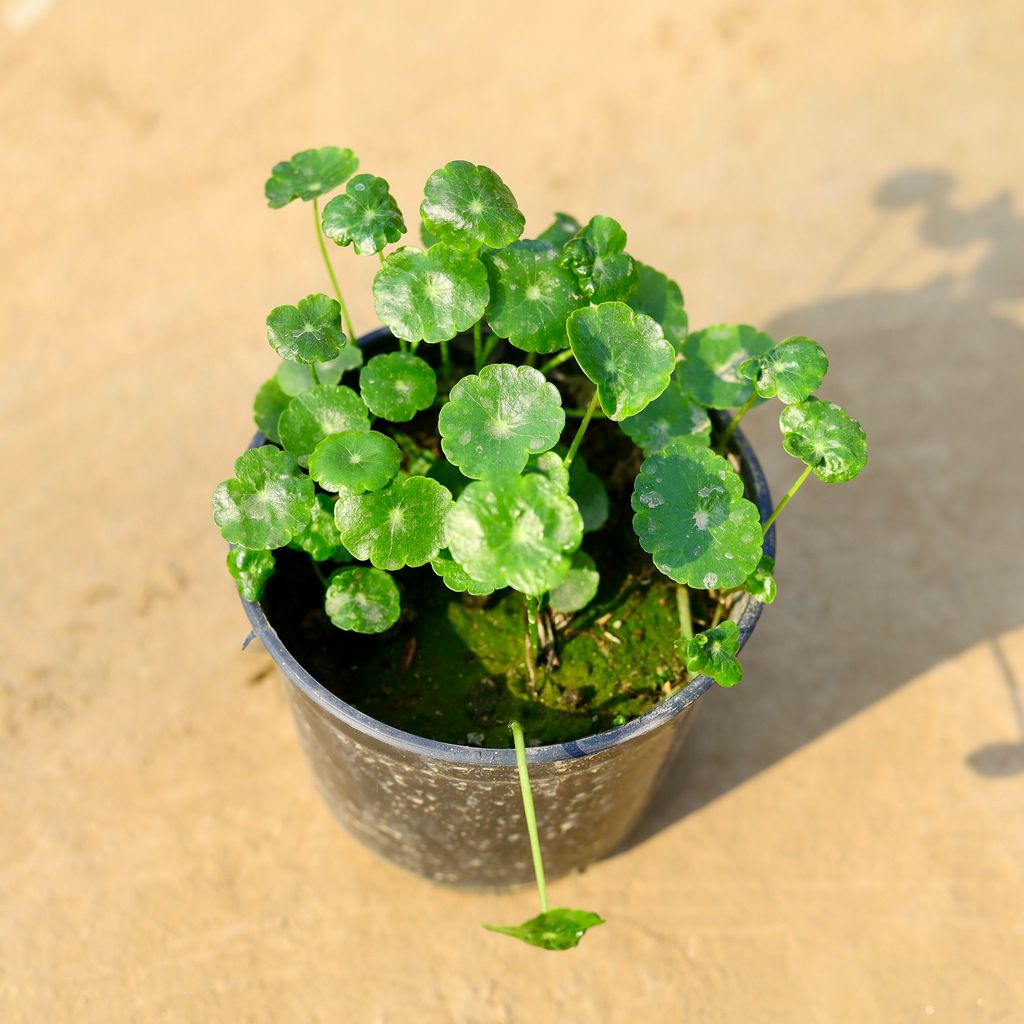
(719, 609)
(787, 497)
(555, 361)
(574, 447)
(316, 376)
(403, 345)
(380, 253)
(735, 422)
(489, 348)
(330, 271)
(528, 810)
(532, 610)
(683, 604)
(576, 414)
(316, 568)
(446, 361)
(477, 346)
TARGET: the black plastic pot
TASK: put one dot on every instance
(454, 813)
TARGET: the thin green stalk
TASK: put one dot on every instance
(312, 370)
(787, 497)
(531, 359)
(380, 253)
(446, 361)
(735, 422)
(574, 447)
(330, 271)
(578, 414)
(719, 610)
(316, 568)
(683, 604)
(489, 348)
(531, 814)
(477, 346)
(555, 361)
(403, 345)
(532, 610)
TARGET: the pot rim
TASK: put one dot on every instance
(505, 757)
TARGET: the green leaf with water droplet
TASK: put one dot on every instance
(403, 524)
(468, 205)
(824, 437)
(267, 502)
(295, 378)
(560, 230)
(624, 353)
(250, 570)
(320, 539)
(692, 517)
(560, 928)
(365, 217)
(398, 385)
(531, 296)
(760, 584)
(495, 420)
(308, 332)
(515, 531)
(669, 416)
(362, 600)
(309, 174)
(355, 461)
(455, 576)
(313, 415)
(713, 653)
(267, 407)
(793, 370)
(430, 296)
(660, 298)
(579, 588)
(596, 256)
(710, 370)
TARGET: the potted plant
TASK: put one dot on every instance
(522, 499)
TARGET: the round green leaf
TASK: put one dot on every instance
(295, 378)
(596, 257)
(432, 295)
(579, 588)
(760, 584)
(355, 461)
(710, 371)
(560, 230)
(669, 416)
(692, 517)
(659, 298)
(403, 524)
(397, 385)
(793, 370)
(320, 539)
(531, 296)
(309, 332)
(365, 217)
(250, 570)
(495, 420)
(455, 576)
(267, 407)
(515, 531)
(266, 503)
(314, 414)
(586, 489)
(560, 928)
(309, 174)
(825, 438)
(468, 205)
(713, 653)
(362, 600)
(624, 353)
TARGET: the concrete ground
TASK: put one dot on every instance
(843, 838)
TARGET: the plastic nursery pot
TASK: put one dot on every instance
(454, 813)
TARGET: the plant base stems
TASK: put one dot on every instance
(574, 447)
(716, 618)
(683, 604)
(735, 422)
(556, 361)
(531, 816)
(330, 272)
(787, 497)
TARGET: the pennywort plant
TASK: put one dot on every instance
(509, 348)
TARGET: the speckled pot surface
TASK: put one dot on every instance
(454, 813)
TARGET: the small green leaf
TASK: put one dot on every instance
(468, 205)
(355, 461)
(295, 378)
(692, 517)
(760, 584)
(455, 576)
(659, 297)
(560, 928)
(398, 385)
(561, 229)
(323, 410)
(266, 503)
(825, 438)
(365, 217)
(250, 571)
(604, 271)
(669, 416)
(495, 420)
(710, 371)
(590, 495)
(309, 174)
(552, 465)
(531, 296)
(309, 332)
(579, 588)
(793, 370)
(624, 353)
(713, 653)
(320, 539)
(362, 600)
(432, 295)
(267, 407)
(515, 531)
(403, 524)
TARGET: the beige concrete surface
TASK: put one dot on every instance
(843, 839)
